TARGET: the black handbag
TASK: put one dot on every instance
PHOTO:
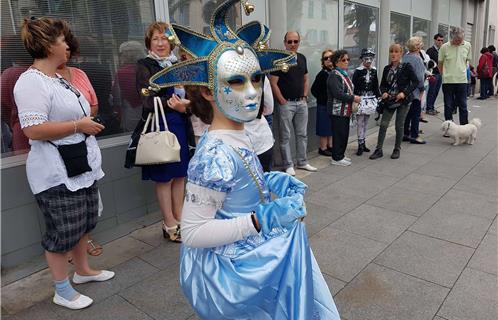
(74, 155)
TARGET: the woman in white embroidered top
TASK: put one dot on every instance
(64, 162)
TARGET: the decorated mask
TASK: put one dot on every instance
(230, 63)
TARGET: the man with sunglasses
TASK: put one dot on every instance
(435, 83)
(291, 92)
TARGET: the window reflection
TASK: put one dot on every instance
(360, 30)
(197, 13)
(103, 29)
(444, 30)
(400, 28)
(422, 28)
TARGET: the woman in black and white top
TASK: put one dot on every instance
(53, 114)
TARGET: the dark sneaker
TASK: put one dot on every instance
(325, 152)
(395, 154)
(431, 112)
(406, 138)
(377, 154)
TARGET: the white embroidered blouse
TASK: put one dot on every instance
(40, 98)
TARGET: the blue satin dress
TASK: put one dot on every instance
(263, 277)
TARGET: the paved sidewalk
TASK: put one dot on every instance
(413, 238)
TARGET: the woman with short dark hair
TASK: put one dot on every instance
(64, 162)
(340, 106)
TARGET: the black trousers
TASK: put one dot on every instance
(340, 128)
(266, 159)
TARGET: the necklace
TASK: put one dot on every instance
(251, 173)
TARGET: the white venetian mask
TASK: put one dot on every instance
(237, 85)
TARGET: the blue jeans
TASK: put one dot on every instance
(433, 92)
(294, 115)
(455, 96)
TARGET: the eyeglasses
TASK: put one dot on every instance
(439, 40)
(345, 60)
(329, 58)
(292, 41)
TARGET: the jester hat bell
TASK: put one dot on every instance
(207, 49)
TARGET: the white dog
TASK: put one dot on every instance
(461, 134)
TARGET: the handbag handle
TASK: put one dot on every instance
(146, 125)
(159, 105)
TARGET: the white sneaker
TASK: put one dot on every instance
(290, 171)
(347, 158)
(80, 303)
(343, 163)
(307, 167)
(104, 275)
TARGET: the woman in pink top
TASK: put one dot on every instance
(78, 77)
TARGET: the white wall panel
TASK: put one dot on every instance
(422, 9)
(444, 11)
(456, 13)
(402, 6)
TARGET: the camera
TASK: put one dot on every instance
(99, 120)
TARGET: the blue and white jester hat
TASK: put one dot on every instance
(207, 49)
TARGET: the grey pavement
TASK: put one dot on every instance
(413, 238)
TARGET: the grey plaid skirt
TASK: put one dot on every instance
(68, 215)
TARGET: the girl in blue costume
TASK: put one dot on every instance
(244, 255)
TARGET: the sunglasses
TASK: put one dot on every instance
(345, 60)
(329, 58)
(292, 41)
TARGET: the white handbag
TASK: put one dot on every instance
(157, 147)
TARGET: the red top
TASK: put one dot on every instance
(486, 60)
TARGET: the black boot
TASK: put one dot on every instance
(365, 148)
(361, 147)
(395, 154)
(377, 154)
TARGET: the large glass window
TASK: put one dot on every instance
(422, 28)
(197, 13)
(317, 34)
(111, 39)
(360, 30)
(444, 30)
(400, 28)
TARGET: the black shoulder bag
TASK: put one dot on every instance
(74, 155)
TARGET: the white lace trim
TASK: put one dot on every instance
(32, 118)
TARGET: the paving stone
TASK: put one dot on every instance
(426, 149)
(494, 227)
(112, 308)
(335, 285)
(336, 199)
(374, 223)
(160, 296)
(319, 181)
(127, 274)
(152, 235)
(165, 256)
(40, 311)
(467, 203)
(479, 185)
(427, 258)
(473, 297)
(486, 256)
(381, 293)
(363, 184)
(426, 184)
(27, 292)
(407, 163)
(452, 226)
(439, 169)
(439, 318)
(486, 168)
(412, 202)
(342, 254)
(119, 251)
(319, 217)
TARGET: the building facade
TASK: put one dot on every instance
(111, 38)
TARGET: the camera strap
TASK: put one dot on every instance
(68, 86)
